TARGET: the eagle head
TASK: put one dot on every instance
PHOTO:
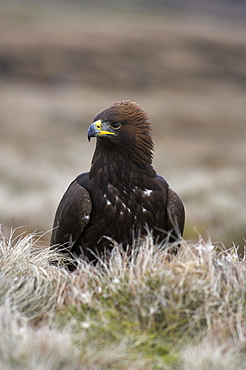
(124, 127)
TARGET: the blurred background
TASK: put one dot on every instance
(183, 61)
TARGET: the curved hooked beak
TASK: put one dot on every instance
(99, 128)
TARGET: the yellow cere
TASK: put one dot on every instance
(98, 125)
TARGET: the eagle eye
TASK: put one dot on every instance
(115, 125)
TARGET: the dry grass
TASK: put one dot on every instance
(140, 311)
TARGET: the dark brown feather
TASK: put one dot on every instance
(122, 196)
(72, 214)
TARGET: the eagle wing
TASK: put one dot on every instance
(73, 213)
(175, 214)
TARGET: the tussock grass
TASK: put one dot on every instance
(140, 310)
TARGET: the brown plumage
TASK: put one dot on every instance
(121, 196)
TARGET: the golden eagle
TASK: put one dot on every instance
(121, 197)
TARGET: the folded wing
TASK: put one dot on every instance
(72, 216)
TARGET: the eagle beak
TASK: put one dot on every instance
(99, 128)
